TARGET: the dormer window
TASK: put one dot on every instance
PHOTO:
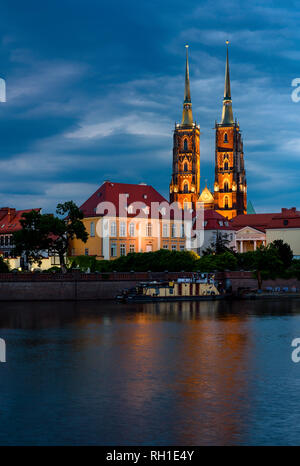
(221, 223)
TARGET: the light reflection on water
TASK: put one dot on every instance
(209, 373)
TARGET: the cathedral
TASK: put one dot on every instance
(230, 187)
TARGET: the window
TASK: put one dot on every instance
(185, 144)
(185, 168)
(165, 246)
(165, 231)
(182, 247)
(173, 230)
(86, 252)
(113, 249)
(225, 137)
(122, 249)
(174, 247)
(226, 188)
(92, 229)
(131, 248)
(2, 240)
(226, 203)
(204, 223)
(182, 230)
(6, 240)
(186, 188)
(221, 223)
(148, 229)
(131, 229)
(226, 165)
(113, 229)
(122, 229)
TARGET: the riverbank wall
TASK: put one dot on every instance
(98, 286)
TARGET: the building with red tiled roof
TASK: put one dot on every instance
(285, 226)
(122, 196)
(9, 224)
(206, 230)
(261, 229)
(122, 218)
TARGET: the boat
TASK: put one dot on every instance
(200, 287)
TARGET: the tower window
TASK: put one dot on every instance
(185, 167)
(185, 144)
(225, 137)
(226, 165)
(226, 202)
(226, 188)
(186, 188)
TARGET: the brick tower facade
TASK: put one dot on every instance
(230, 188)
(185, 182)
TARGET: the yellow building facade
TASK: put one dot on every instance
(144, 228)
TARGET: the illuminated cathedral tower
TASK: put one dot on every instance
(230, 188)
(185, 182)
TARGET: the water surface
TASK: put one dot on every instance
(96, 373)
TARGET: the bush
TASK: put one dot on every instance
(4, 267)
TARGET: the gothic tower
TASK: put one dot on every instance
(185, 182)
(230, 188)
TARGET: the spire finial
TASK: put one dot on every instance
(227, 115)
(187, 116)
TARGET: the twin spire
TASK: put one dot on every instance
(227, 114)
(187, 114)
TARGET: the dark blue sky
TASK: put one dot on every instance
(94, 89)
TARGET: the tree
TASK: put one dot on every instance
(285, 252)
(66, 229)
(219, 245)
(45, 232)
(266, 259)
(33, 238)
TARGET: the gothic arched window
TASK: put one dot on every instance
(226, 137)
(185, 144)
(185, 168)
(226, 188)
(226, 202)
(226, 165)
(186, 188)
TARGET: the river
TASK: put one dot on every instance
(100, 373)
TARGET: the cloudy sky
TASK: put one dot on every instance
(94, 89)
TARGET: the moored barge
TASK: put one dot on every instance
(202, 287)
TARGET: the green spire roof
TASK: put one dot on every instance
(250, 208)
(187, 115)
(227, 115)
